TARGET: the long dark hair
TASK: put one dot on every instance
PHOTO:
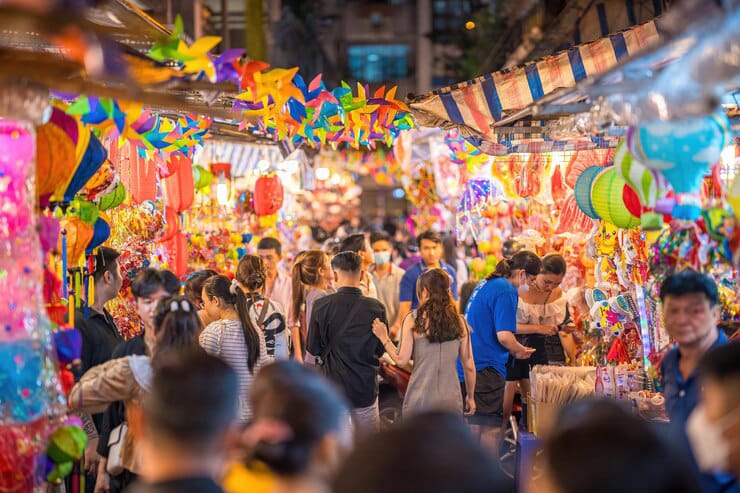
(231, 294)
(176, 324)
(305, 272)
(525, 260)
(437, 318)
(309, 405)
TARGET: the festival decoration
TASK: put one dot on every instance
(76, 235)
(582, 190)
(682, 150)
(572, 219)
(102, 183)
(179, 186)
(268, 198)
(607, 198)
(113, 199)
(580, 160)
(101, 232)
(462, 153)
(202, 178)
(55, 157)
(90, 155)
(647, 184)
(528, 177)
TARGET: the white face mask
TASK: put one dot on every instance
(381, 258)
(523, 284)
(710, 448)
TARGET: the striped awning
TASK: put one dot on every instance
(474, 106)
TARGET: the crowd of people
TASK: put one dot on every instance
(266, 379)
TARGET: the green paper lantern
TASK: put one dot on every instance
(606, 197)
(202, 178)
(87, 211)
(66, 444)
(113, 199)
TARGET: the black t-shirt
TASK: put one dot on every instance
(353, 362)
(100, 336)
(185, 485)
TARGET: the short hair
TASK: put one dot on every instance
(150, 280)
(721, 363)
(347, 262)
(194, 284)
(427, 452)
(597, 445)
(105, 261)
(429, 235)
(379, 236)
(689, 282)
(269, 243)
(192, 401)
(353, 243)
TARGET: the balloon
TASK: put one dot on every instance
(101, 232)
(582, 190)
(647, 183)
(22, 392)
(113, 199)
(682, 150)
(78, 235)
(268, 195)
(607, 198)
(55, 157)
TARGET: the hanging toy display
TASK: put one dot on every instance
(268, 199)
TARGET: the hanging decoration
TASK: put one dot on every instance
(647, 184)
(607, 194)
(582, 190)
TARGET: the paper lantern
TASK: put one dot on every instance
(268, 195)
(179, 187)
(607, 199)
(78, 235)
(682, 150)
(55, 157)
(646, 184)
(90, 155)
(202, 178)
(113, 199)
(582, 190)
(103, 182)
(138, 174)
(101, 232)
(177, 251)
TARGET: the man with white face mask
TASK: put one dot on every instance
(714, 426)
(690, 312)
(387, 278)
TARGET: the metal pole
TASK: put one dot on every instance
(225, 32)
(198, 18)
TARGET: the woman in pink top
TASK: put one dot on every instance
(312, 276)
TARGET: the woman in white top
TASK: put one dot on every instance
(543, 323)
(233, 337)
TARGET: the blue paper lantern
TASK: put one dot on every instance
(683, 150)
(101, 232)
(582, 190)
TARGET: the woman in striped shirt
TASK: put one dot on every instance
(233, 337)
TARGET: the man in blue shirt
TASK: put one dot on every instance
(691, 313)
(430, 248)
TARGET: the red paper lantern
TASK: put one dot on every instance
(268, 195)
(177, 251)
(179, 188)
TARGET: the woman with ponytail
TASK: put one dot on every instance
(434, 336)
(312, 277)
(233, 337)
(266, 315)
(491, 313)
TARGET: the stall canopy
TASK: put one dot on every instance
(474, 106)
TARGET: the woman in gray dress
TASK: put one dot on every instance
(433, 336)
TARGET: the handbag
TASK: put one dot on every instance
(115, 449)
(321, 359)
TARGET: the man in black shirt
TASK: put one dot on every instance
(340, 332)
(182, 426)
(100, 336)
(148, 287)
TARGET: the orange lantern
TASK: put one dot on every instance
(55, 158)
(78, 234)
